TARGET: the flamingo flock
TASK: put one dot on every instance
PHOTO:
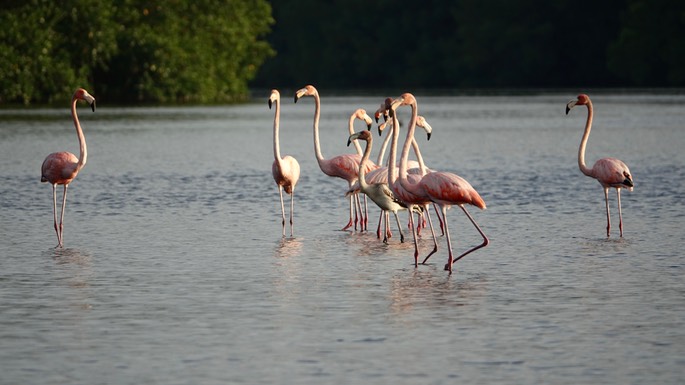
(404, 186)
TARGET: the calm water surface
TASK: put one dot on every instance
(174, 269)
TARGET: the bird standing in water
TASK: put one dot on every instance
(609, 172)
(285, 170)
(60, 168)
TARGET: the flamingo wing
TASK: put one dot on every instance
(448, 189)
(611, 172)
(343, 166)
(59, 168)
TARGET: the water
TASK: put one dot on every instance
(174, 269)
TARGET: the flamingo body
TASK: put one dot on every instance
(286, 173)
(60, 168)
(447, 189)
(609, 172)
(342, 166)
(378, 192)
(442, 188)
(612, 172)
(285, 170)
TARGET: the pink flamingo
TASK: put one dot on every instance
(402, 185)
(609, 172)
(442, 188)
(414, 167)
(361, 114)
(379, 192)
(62, 167)
(344, 166)
(286, 170)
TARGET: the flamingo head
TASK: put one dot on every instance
(385, 109)
(274, 97)
(405, 99)
(85, 96)
(421, 122)
(362, 115)
(581, 100)
(308, 90)
(363, 135)
(378, 113)
(382, 126)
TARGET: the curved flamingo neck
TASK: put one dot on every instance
(581, 150)
(404, 157)
(392, 157)
(351, 128)
(83, 155)
(362, 165)
(277, 120)
(419, 158)
(384, 146)
(317, 115)
(414, 144)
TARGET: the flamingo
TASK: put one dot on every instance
(400, 184)
(380, 175)
(285, 170)
(379, 192)
(62, 167)
(609, 172)
(344, 166)
(442, 188)
(361, 114)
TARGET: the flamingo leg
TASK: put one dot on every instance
(349, 223)
(292, 208)
(486, 241)
(388, 229)
(620, 216)
(378, 230)
(419, 223)
(606, 201)
(61, 219)
(410, 208)
(435, 239)
(358, 213)
(54, 214)
(280, 194)
(365, 215)
(385, 229)
(437, 212)
(399, 227)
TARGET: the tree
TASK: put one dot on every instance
(133, 50)
(649, 50)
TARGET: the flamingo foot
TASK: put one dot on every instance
(435, 249)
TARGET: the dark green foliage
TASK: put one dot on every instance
(127, 51)
(476, 44)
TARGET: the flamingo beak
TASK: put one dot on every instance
(428, 136)
(88, 98)
(351, 138)
(570, 105)
(270, 103)
(299, 94)
(381, 127)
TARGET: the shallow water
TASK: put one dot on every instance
(174, 269)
